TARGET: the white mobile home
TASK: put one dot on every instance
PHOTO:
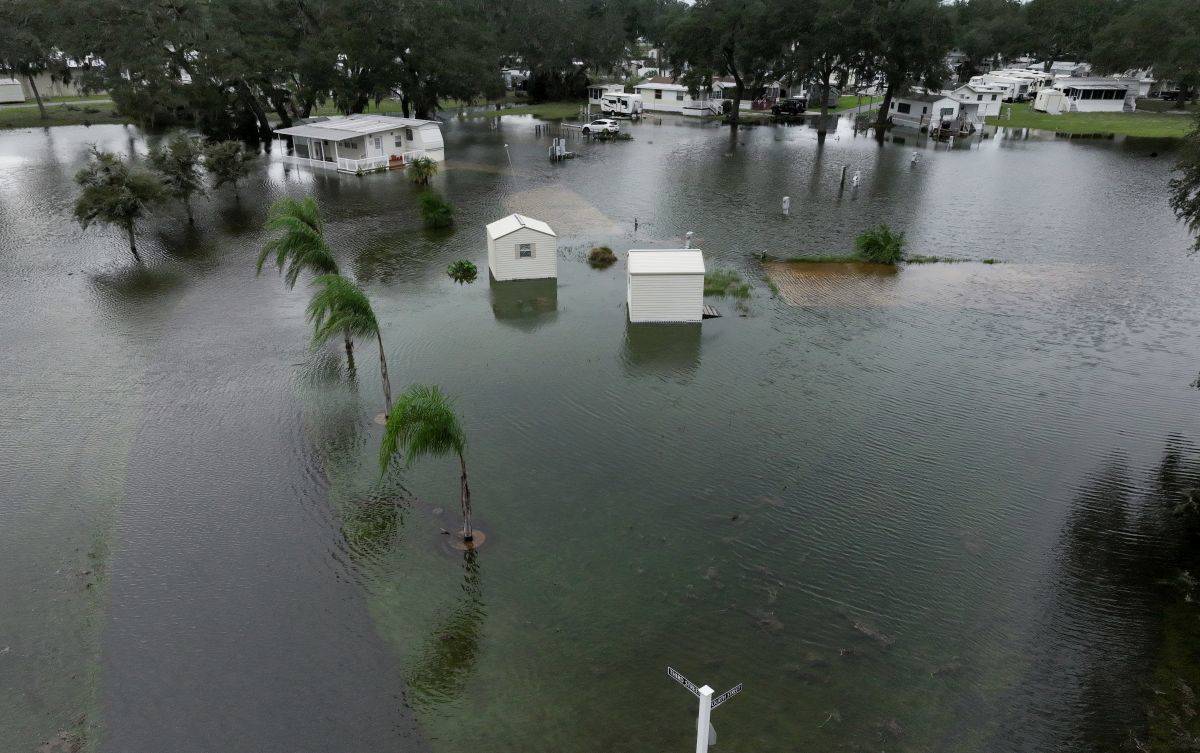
(661, 94)
(1099, 94)
(361, 143)
(666, 286)
(521, 248)
(11, 91)
(919, 110)
(978, 101)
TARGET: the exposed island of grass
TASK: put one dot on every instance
(725, 282)
(1146, 124)
(59, 115)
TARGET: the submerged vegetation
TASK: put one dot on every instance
(725, 282)
(421, 170)
(602, 257)
(116, 193)
(462, 271)
(178, 164)
(881, 245)
(437, 213)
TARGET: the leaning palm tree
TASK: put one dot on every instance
(423, 422)
(300, 246)
(340, 307)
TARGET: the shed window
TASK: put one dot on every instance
(524, 250)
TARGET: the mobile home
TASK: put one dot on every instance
(361, 143)
(1099, 94)
(521, 248)
(11, 91)
(596, 92)
(665, 286)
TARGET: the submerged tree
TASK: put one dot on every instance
(1185, 188)
(881, 245)
(227, 163)
(436, 211)
(421, 170)
(340, 306)
(423, 422)
(115, 193)
(179, 164)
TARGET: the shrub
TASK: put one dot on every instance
(421, 170)
(881, 245)
(602, 257)
(436, 211)
(462, 271)
(723, 282)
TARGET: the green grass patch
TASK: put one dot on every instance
(59, 115)
(922, 259)
(725, 282)
(1162, 105)
(543, 110)
(847, 101)
(1146, 124)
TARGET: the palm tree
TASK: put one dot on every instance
(115, 193)
(423, 422)
(179, 164)
(300, 246)
(340, 306)
(421, 170)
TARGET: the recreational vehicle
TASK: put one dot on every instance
(617, 103)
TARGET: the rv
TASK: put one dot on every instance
(616, 103)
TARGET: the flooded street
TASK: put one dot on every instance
(904, 509)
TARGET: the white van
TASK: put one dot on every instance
(618, 103)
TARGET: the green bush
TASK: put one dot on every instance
(462, 271)
(602, 257)
(881, 245)
(436, 211)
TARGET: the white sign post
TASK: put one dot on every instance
(705, 734)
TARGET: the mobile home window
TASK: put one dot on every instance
(904, 107)
(524, 250)
(399, 140)
(658, 93)
(408, 134)
(679, 96)
(301, 148)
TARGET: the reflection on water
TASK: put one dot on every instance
(524, 304)
(664, 350)
(446, 663)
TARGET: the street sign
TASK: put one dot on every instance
(685, 682)
(727, 695)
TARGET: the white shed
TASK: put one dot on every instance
(1051, 102)
(666, 286)
(522, 248)
(11, 91)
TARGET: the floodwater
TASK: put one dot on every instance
(901, 508)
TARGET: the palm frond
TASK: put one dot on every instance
(339, 307)
(422, 422)
(300, 244)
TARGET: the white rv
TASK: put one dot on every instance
(619, 103)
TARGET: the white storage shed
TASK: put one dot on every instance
(522, 248)
(11, 91)
(1051, 102)
(666, 286)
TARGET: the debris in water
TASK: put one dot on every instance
(875, 635)
(768, 620)
(949, 668)
(832, 716)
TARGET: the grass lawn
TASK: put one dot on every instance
(846, 101)
(544, 110)
(1152, 124)
(28, 117)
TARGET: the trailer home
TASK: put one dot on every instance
(362, 143)
(521, 248)
(665, 286)
(11, 91)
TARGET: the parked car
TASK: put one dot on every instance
(790, 106)
(602, 126)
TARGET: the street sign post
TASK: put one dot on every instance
(706, 734)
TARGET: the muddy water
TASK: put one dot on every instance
(864, 498)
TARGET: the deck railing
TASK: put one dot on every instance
(364, 165)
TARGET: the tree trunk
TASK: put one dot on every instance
(37, 96)
(132, 241)
(884, 106)
(735, 114)
(824, 93)
(349, 352)
(387, 384)
(404, 104)
(468, 530)
(187, 203)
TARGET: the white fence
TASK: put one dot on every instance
(364, 165)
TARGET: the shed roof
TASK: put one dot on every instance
(679, 261)
(515, 222)
(342, 128)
